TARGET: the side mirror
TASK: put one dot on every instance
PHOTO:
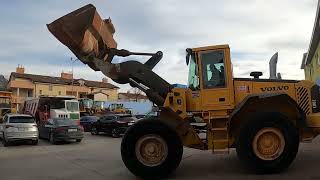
(189, 51)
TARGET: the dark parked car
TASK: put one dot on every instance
(114, 125)
(57, 129)
(140, 116)
(87, 121)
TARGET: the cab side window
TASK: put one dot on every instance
(213, 69)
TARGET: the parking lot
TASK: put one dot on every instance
(98, 157)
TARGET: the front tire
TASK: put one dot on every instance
(94, 130)
(267, 143)
(151, 149)
(115, 133)
(4, 141)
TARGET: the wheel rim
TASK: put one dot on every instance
(114, 132)
(94, 130)
(51, 138)
(268, 143)
(151, 150)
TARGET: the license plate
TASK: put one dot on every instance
(130, 124)
(72, 130)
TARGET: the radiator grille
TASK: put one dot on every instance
(303, 100)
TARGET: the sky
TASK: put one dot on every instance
(254, 30)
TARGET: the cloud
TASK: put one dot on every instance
(255, 30)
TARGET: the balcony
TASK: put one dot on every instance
(18, 100)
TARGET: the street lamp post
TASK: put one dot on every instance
(72, 62)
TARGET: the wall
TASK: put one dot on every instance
(100, 97)
(46, 91)
(312, 70)
(122, 97)
(113, 93)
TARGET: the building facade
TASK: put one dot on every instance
(132, 97)
(25, 86)
(311, 59)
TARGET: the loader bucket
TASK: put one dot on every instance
(84, 32)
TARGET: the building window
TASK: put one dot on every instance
(29, 93)
(59, 93)
(40, 92)
(50, 87)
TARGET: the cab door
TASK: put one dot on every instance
(216, 79)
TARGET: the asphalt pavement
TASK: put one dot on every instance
(98, 158)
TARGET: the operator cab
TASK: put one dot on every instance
(209, 77)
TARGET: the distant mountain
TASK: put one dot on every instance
(3, 83)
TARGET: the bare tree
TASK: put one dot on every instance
(136, 93)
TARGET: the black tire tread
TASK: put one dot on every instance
(252, 126)
(148, 126)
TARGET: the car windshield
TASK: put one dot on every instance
(72, 106)
(64, 122)
(193, 79)
(21, 119)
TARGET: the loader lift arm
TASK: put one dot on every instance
(90, 38)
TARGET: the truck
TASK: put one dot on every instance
(265, 120)
(46, 107)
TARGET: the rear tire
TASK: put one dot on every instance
(34, 142)
(115, 133)
(52, 139)
(94, 130)
(150, 149)
(267, 143)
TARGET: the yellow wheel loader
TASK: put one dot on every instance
(263, 119)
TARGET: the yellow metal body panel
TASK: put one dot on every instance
(203, 102)
(245, 88)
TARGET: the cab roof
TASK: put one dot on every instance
(222, 46)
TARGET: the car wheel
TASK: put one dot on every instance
(94, 131)
(268, 143)
(151, 150)
(4, 141)
(52, 139)
(79, 140)
(115, 133)
(34, 142)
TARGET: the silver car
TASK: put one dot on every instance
(17, 127)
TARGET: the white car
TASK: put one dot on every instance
(18, 127)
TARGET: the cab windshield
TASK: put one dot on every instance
(72, 106)
(193, 79)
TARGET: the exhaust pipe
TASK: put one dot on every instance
(273, 66)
